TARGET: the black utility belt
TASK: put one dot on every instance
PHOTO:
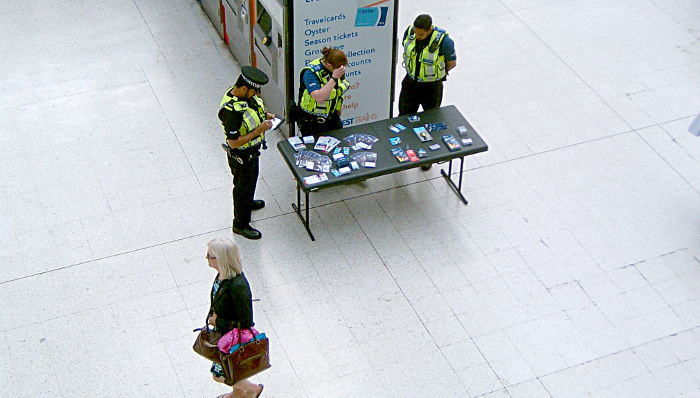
(414, 80)
(310, 117)
(242, 155)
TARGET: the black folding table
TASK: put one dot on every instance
(386, 162)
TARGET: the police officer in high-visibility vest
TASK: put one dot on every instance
(245, 120)
(428, 55)
(322, 85)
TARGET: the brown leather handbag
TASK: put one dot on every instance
(205, 344)
(248, 360)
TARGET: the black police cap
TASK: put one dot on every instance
(254, 76)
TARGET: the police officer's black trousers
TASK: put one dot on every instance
(415, 94)
(245, 178)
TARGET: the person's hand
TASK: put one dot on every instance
(269, 115)
(264, 126)
(339, 72)
(212, 319)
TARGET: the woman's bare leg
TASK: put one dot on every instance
(245, 389)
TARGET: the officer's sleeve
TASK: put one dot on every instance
(310, 80)
(447, 48)
(232, 122)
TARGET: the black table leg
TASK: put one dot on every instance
(448, 177)
(297, 209)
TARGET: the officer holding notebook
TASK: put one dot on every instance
(245, 120)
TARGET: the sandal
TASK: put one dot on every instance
(262, 387)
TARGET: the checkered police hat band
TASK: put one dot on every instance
(251, 83)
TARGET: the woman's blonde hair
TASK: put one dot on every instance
(228, 255)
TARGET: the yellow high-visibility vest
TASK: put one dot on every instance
(333, 103)
(251, 117)
(432, 64)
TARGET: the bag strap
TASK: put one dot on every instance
(238, 329)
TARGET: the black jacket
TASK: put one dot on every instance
(233, 304)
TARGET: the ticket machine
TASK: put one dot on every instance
(213, 9)
(269, 50)
(237, 25)
(253, 31)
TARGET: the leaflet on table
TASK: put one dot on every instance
(411, 155)
(399, 154)
(365, 159)
(342, 162)
(312, 161)
(341, 151)
(326, 143)
(435, 126)
(315, 179)
(296, 143)
(397, 128)
(361, 141)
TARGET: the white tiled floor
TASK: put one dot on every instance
(573, 272)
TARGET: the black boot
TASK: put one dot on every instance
(257, 204)
(247, 232)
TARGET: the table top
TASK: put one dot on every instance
(386, 162)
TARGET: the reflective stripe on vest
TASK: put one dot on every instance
(251, 117)
(309, 104)
(432, 64)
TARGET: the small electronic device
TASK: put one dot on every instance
(423, 134)
(451, 142)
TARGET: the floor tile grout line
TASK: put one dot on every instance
(167, 119)
(160, 105)
(335, 303)
(498, 163)
(606, 356)
(330, 203)
(577, 282)
(408, 301)
(110, 256)
(584, 81)
(354, 197)
(665, 160)
(400, 289)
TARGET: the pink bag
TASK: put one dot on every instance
(230, 339)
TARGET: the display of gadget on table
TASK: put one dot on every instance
(351, 160)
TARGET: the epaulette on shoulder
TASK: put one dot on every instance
(240, 105)
(438, 39)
